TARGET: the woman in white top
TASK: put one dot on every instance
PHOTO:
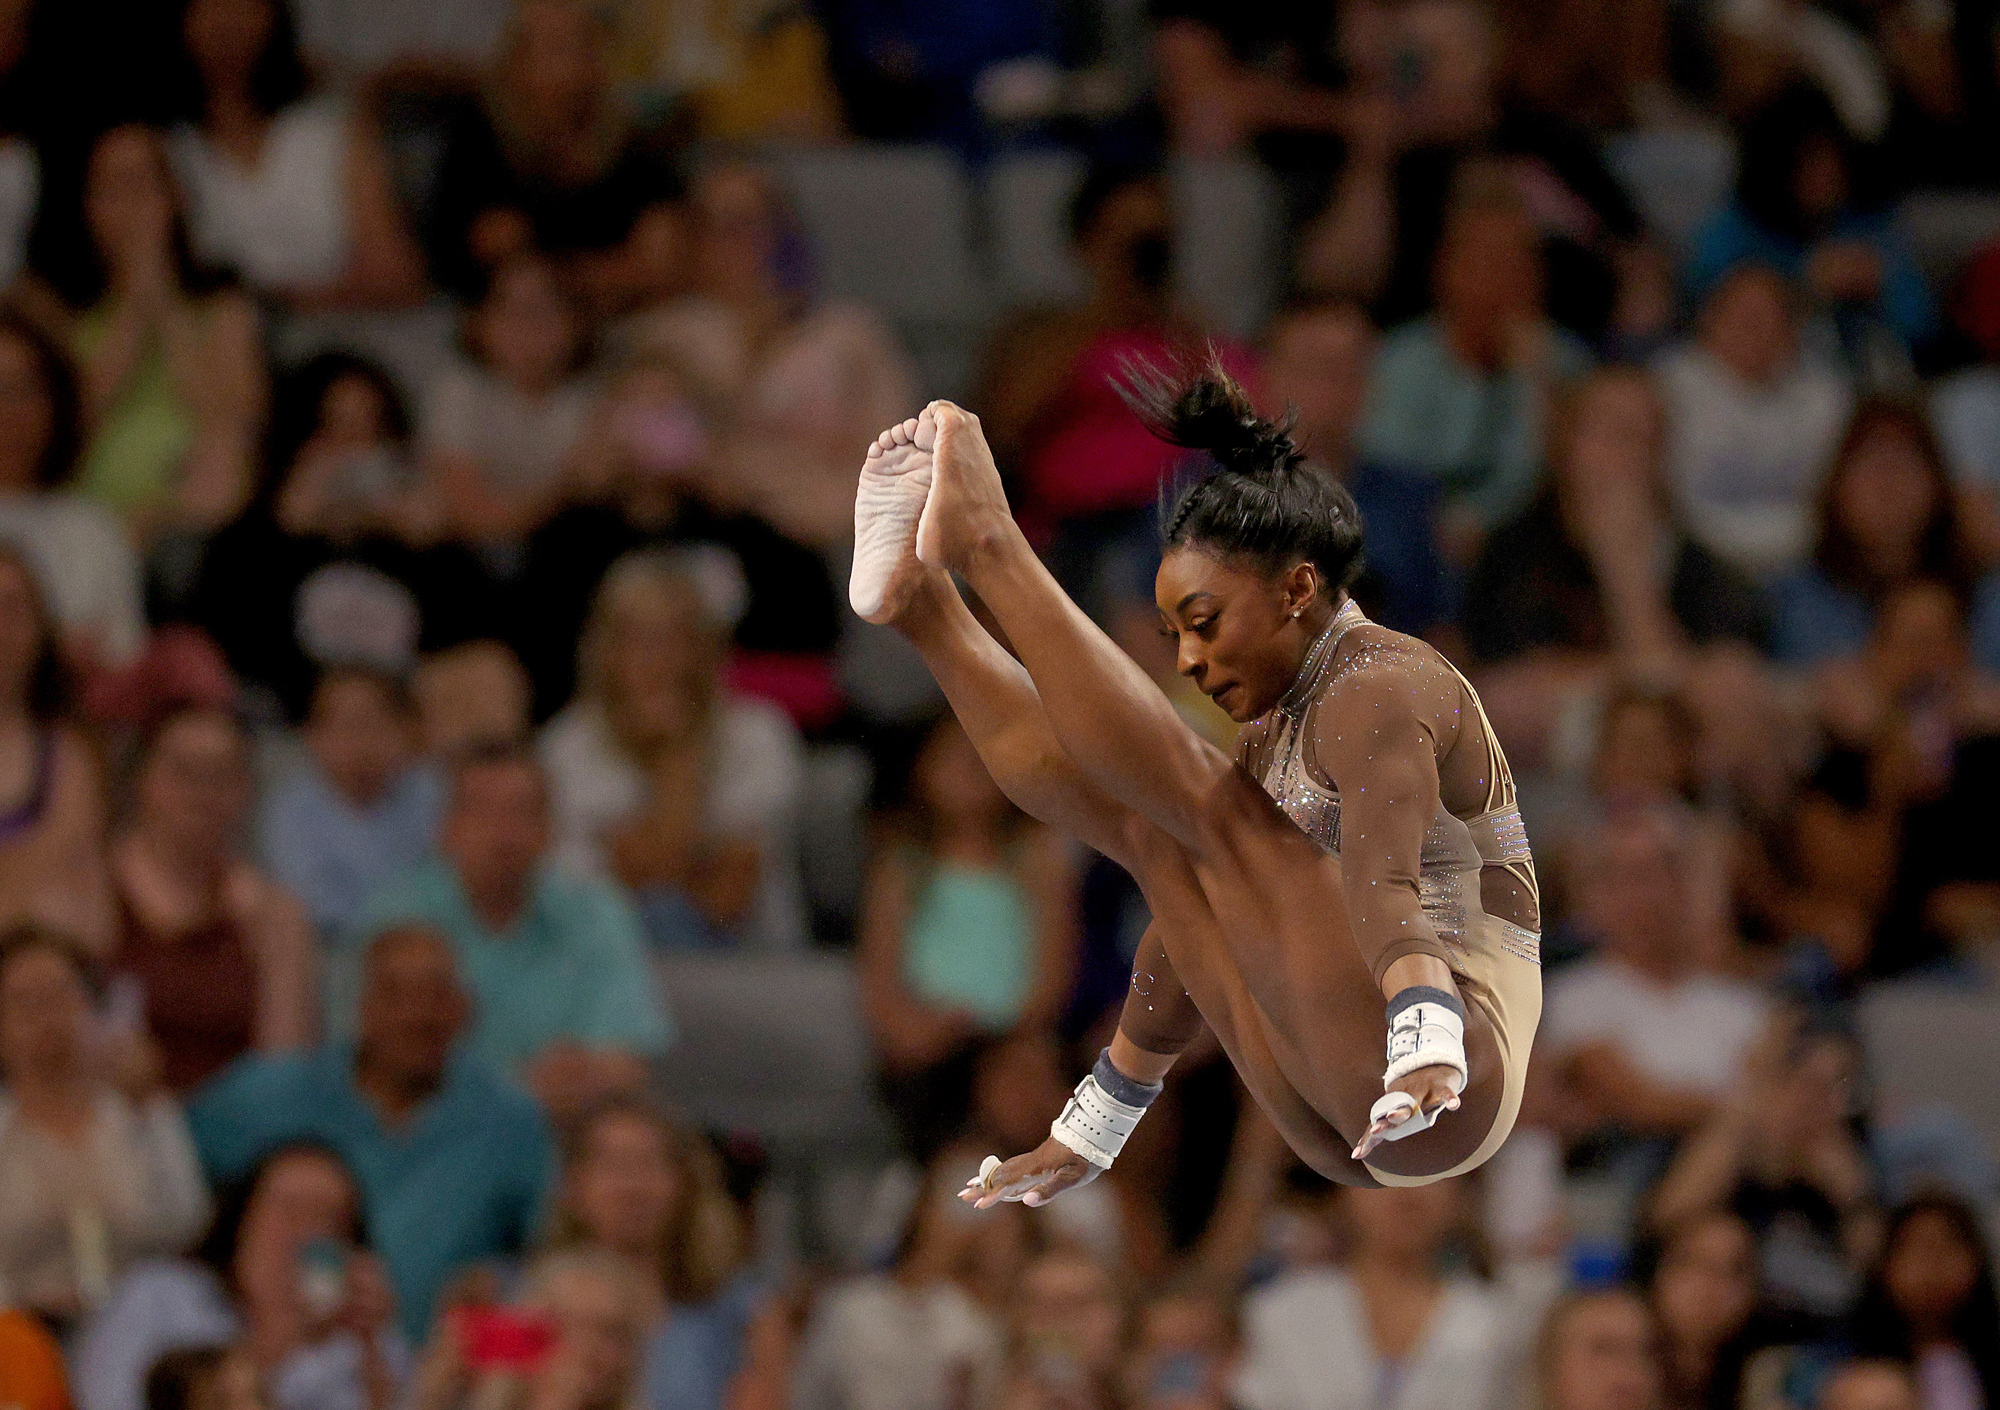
(1388, 1329)
(92, 1175)
(666, 780)
(292, 193)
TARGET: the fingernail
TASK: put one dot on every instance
(1032, 1200)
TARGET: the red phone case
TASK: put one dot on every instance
(503, 1339)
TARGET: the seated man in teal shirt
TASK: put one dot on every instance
(455, 1163)
(555, 964)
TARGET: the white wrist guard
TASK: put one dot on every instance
(1426, 1029)
(1094, 1123)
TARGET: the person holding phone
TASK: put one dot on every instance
(571, 1341)
(284, 1274)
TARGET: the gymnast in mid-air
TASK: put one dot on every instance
(1357, 871)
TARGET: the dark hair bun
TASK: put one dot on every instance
(1260, 503)
(1200, 406)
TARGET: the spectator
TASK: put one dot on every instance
(31, 1364)
(1317, 359)
(498, 434)
(93, 1176)
(315, 570)
(452, 1161)
(908, 1338)
(591, 1309)
(1913, 726)
(1599, 1350)
(1648, 1034)
(587, 1308)
(1091, 471)
(79, 551)
(291, 193)
(1231, 76)
(1751, 424)
(802, 381)
(203, 1378)
(1459, 400)
(1781, 1152)
(968, 930)
(552, 163)
(1799, 209)
(1887, 515)
(555, 964)
(471, 696)
(652, 1194)
(173, 374)
(914, 74)
(1323, 1338)
(342, 821)
(221, 956)
(1425, 101)
(1183, 1354)
(1595, 577)
(1929, 1303)
(1704, 1293)
(1069, 1330)
(286, 1275)
(647, 471)
(663, 778)
(52, 819)
(1871, 1385)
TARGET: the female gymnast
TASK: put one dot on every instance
(1363, 846)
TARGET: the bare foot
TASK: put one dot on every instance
(895, 486)
(967, 506)
(1432, 1094)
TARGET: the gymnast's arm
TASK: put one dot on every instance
(1157, 1024)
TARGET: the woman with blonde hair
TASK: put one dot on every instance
(665, 779)
(637, 1186)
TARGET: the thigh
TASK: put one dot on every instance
(1272, 1071)
(1276, 938)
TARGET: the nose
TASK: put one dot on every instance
(1188, 660)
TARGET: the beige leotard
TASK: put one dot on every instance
(1468, 865)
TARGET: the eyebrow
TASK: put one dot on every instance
(1182, 605)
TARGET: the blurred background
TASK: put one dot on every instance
(486, 927)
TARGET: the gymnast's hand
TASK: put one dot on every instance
(1034, 1178)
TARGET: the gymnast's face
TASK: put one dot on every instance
(1240, 634)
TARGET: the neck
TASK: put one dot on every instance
(14, 713)
(498, 903)
(1475, 344)
(1412, 1267)
(1313, 626)
(230, 111)
(194, 861)
(395, 1094)
(1661, 969)
(47, 1091)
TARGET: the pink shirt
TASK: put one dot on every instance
(1094, 454)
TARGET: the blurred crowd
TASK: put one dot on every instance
(427, 440)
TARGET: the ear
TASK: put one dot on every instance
(1299, 588)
